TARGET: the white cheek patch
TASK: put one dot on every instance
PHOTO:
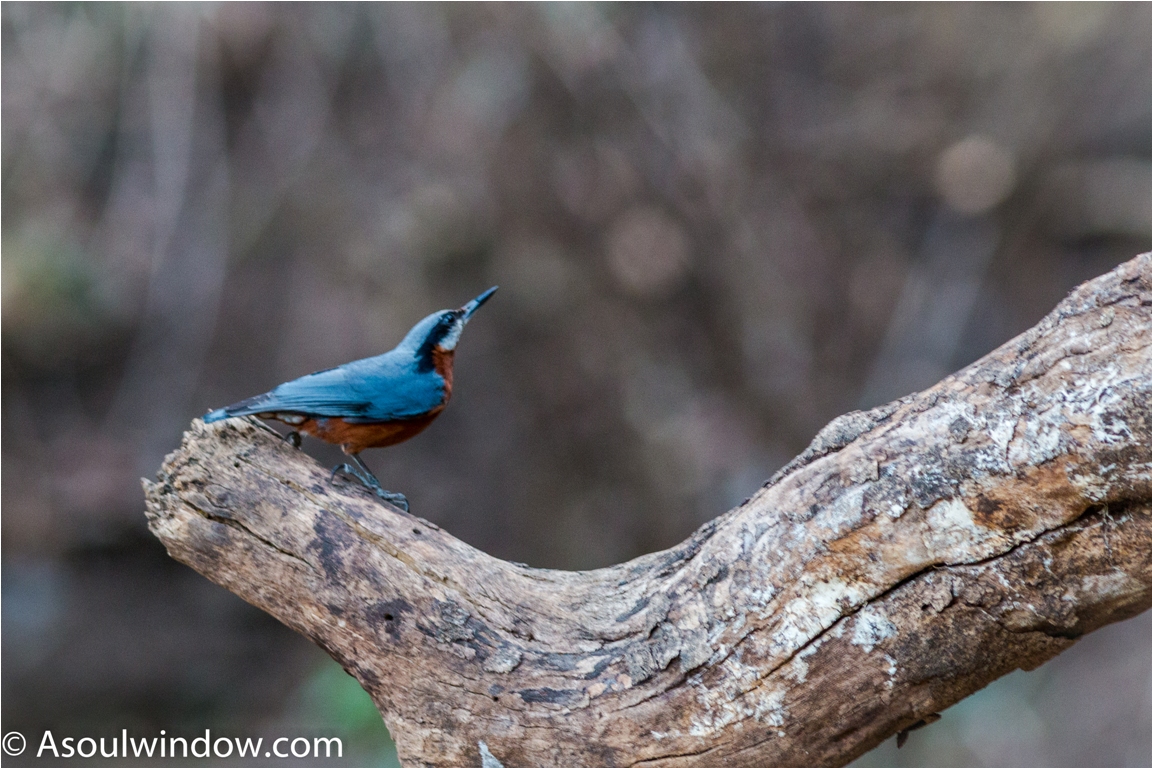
(448, 343)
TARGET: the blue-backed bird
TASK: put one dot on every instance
(374, 402)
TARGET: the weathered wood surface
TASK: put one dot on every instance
(910, 556)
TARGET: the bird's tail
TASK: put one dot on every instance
(216, 415)
(248, 407)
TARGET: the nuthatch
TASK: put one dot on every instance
(374, 402)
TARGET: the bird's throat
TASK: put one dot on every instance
(442, 363)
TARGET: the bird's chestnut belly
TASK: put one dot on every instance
(353, 437)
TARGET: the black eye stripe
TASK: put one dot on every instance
(435, 335)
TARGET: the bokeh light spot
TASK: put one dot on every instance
(975, 175)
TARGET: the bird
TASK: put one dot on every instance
(370, 403)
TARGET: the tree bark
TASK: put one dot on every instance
(911, 555)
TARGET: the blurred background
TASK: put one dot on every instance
(715, 228)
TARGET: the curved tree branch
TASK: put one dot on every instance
(910, 556)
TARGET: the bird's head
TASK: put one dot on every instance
(441, 330)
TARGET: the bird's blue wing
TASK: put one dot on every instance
(380, 388)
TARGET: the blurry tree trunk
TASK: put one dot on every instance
(911, 555)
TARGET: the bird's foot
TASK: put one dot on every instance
(392, 497)
(294, 438)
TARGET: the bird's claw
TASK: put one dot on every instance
(392, 497)
(345, 468)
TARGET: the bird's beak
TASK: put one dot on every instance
(474, 305)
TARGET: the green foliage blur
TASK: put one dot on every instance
(333, 702)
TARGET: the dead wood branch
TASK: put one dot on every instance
(910, 556)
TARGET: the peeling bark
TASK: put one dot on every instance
(910, 556)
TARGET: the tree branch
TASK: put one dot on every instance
(910, 556)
